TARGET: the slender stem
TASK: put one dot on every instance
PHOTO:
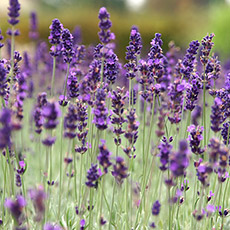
(80, 180)
(53, 76)
(112, 203)
(60, 165)
(91, 209)
(11, 171)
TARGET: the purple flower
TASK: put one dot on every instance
(189, 60)
(77, 35)
(104, 156)
(33, 34)
(195, 138)
(216, 116)
(73, 86)
(70, 122)
(192, 93)
(176, 100)
(3, 82)
(49, 226)
(38, 196)
(105, 34)
(156, 208)
(152, 225)
(203, 171)
(82, 131)
(16, 208)
(207, 45)
(179, 160)
(131, 133)
(51, 112)
(92, 176)
(14, 12)
(1, 38)
(133, 49)
(67, 46)
(165, 149)
(120, 170)
(63, 101)
(111, 67)
(117, 118)
(82, 224)
(100, 111)
(6, 129)
(55, 37)
(225, 133)
(157, 63)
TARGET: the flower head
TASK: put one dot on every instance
(16, 208)
(14, 12)
(156, 208)
(105, 34)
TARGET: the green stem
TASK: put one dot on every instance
(112, 203)
(11, 171)
(53, 76)
(79, 193)
(91, 210)
(60, 165)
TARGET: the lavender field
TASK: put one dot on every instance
(89, 141)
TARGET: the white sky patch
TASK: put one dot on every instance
(135, 4)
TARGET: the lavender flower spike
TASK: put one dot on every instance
(105, 34)
(14, 12)
(120, 170)
(16, 208)
(67, 46)
(33, 34)
(55, 37)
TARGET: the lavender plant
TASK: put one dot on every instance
(112, 159)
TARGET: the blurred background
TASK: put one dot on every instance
(177, 20)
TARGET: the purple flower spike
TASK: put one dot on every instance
(33, 34)
(55, 37)
(104, 157)
(189, 60)
(207, 45)
(100, 111)
(82, 130)
(49, 226)
(165, 150)
(216, 116)
(179, 160)
(70, 122)
(16, 208)
(133, 50)
(14, 12)
(82, 224)
(5, 131)
(131, 134)
(1, 38)
(120, 170)
(51, 112)
(195, 138)
(38, 196)
(105, 34)
(156, 208)
(92, 176)
(67, 46)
